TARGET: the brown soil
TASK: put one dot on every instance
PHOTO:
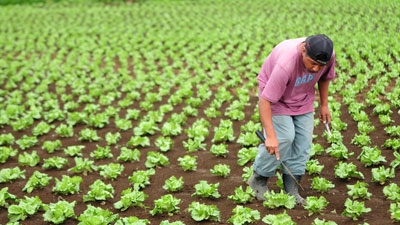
(336, 196)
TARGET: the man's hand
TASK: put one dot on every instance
(325, 114)
(272, 146)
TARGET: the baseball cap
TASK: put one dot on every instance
(319, 48)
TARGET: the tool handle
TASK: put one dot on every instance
(260, 135)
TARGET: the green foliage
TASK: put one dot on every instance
(203, 212)
(10, 174)
(99, 191)
(278, 219)
(315, 204)
(37, 180)
(221, 170)
(242, 196)
(67, 185)
(205, 190)
(97, 215)
(131, 198)
(280, 199)
(354, 209)
(165, 204)
(244, 215)
(26, 207)
(173, 184)
(58, 212)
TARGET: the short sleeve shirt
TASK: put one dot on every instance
(286, 83)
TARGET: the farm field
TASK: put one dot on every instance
(144, 113)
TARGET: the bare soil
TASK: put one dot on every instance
(336, 196)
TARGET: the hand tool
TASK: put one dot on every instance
(327, 128)
(262, 138)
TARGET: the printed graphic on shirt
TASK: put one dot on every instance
(304, 79)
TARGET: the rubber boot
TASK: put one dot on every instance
(259, 185)
(292, 188)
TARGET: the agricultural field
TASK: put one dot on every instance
(146, 112)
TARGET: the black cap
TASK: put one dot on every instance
(319, 48)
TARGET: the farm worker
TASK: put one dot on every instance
(286, 83)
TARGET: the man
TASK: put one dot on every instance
(286, 105)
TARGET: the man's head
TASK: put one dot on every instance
(318, 51)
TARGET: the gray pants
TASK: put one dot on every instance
(294, 134)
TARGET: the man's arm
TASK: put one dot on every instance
(325, 115)
(271, 142)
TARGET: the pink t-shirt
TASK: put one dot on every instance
(286, 83)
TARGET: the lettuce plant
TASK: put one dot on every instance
(359, 190)
(37, 180)
(339, 151)
(55, 162)
(171, 128)
(219, 149)
(26, 142)
(321, 184)
(74, 150)
(5, 196)
(371, 156)
(221, 170)
(248, 139)
(51, 146)
(88, 134)
(99, 191)
(7, 139)
(26, 207)
(345, 170)
(102, 152)
(396, 161)
(141, 177)
(188, 162)
(173, 184)
(205, 190)
(111, 171)
(394, 210)
(382, 174)
(26, 159)
(224, 132)
(164, 143)
(166, 204)
(41, 128)
(112, 138)
(318, 221)
(83, 165)
(131, 198)
(361, 140)
(97, 215)
(281, 199)
(6, 153)
(354, 209)
(247, 154)
(195, 144)
(58, 212)
(135, 141)
(131, 220)
(392, 192)
(392, 143)
(316, 149)
(242, 196)
(203, 212)
(10, 174)
(314, 167)
(123, 124)
(127, 155)
(315, 204)
(67, 185)
(156, 159)
(278, 219)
